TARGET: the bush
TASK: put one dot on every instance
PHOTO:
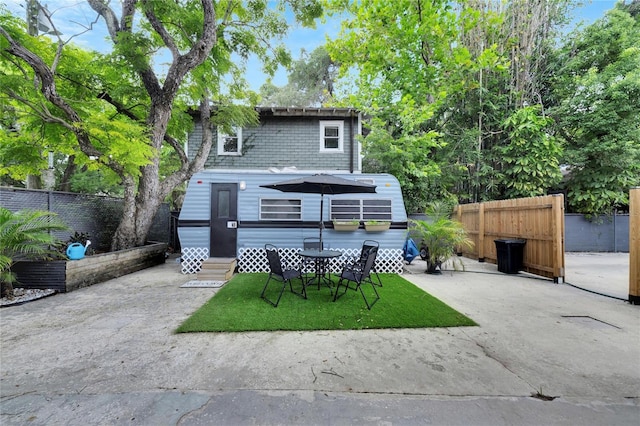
(24, 235)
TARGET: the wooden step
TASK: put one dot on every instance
(224, 263)
(217, 269)
(211, 275)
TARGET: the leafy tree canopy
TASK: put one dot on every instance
(407, 59)
(310, 82)
(597, 108)
(123, 110)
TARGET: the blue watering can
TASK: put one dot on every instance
(76, 251)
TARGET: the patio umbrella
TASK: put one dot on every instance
(322, 184)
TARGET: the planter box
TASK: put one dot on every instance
(68, 275)
(377, 227)
(345, 226)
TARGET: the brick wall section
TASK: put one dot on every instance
(280, 142)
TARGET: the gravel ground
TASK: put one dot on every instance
(23, 295)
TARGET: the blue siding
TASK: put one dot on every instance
(196, 207)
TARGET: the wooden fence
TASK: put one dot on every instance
(634, 246)
(538, 220)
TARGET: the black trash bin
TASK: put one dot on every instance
(510, 254)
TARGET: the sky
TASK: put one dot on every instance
(75, 16)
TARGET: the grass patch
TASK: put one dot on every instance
(238, 307)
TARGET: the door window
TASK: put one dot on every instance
(223, 203)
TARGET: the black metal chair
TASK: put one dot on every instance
(359, 272)
(284, 275)
(311, 243)
(366, 245)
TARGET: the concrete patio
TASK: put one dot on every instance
(107, 355)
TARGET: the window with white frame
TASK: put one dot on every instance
(355, 209)
(331, 136)
(280, 209)
(230, 144)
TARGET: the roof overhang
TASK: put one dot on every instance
(306, 112)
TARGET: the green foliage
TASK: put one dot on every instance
(406, 157)
(409, 61)
(530, 160)
(120, 113)
(310, 82)
(102, 182)
(442, 236)
(24, 234)
(597, 109)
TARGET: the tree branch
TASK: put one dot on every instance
(160, 29)
(196, 55)
(50, 93)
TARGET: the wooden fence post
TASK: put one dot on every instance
(481, 232)
(634, 246)
(557, 206)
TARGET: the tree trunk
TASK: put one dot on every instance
(143, 194)
(69, 171)
(125, 235)
(34, 182)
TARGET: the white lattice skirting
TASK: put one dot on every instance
(255, 259)
(192, 258)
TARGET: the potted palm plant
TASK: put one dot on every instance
(441, 236)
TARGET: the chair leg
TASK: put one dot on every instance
(263, 296)
(373, 286)
(379, 281)
(303, 292)
(346, 287)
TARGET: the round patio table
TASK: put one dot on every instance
(321, 257)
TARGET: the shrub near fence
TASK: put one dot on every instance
(538, 220)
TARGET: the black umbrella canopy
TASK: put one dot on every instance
(322, 184)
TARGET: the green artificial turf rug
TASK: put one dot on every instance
(238, 307)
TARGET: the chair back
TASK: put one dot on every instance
(311, 243)
(370, 261)
(275, 265)
(366, 245)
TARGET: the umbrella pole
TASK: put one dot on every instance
(321, 222)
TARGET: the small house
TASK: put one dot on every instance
(227, 214)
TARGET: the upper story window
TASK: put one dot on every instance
(331, 136)
(230, 144)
